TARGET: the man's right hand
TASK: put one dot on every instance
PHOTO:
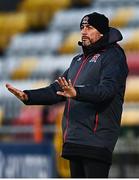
(18, 93)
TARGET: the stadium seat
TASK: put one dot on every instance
(1, 115)
(70, 45)
(130, 117)
(48, 65)
(69, 20)
(4, 40)
(31, 44)
(37, 67)
(132, 44)
(133, 62)
(40, 12)
(114, 3)
(132, 89)
(11, 24)
(62, 164)
(122, 17)
(24, 70)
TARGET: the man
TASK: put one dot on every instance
(93, 88)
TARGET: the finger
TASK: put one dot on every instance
(65, 82)
(70, 84)
(12, 91)
(56, 80)
(61, 82)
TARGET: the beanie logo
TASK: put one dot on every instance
(85, 20)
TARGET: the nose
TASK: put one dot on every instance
(84, 31)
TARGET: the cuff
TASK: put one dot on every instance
(27, 102)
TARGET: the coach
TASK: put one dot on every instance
(93, 88)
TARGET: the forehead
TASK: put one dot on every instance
(87, 25)
(90, 28)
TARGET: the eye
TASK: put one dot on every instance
(81, 27)
(90, 27)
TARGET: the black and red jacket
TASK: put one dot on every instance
(99, 76)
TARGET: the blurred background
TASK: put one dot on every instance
(38, 39)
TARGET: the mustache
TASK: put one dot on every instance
(86, 37)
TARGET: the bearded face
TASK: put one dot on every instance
(89, 35)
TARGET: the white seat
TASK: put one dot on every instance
(30, 44)
(45, 65)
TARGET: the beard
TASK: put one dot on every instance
(86, 41)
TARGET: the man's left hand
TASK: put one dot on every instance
(67, 87)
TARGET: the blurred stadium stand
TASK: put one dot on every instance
(38, 39)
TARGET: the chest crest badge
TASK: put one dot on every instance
(94, 58)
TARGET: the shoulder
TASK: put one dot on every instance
(77, 57)
(116, 50)
(114, 53)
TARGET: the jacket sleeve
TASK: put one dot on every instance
(46, 95)
(111, 73)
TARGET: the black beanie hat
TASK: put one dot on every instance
(98, 21)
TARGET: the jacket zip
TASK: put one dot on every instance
(96, 123)
(75, 79)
